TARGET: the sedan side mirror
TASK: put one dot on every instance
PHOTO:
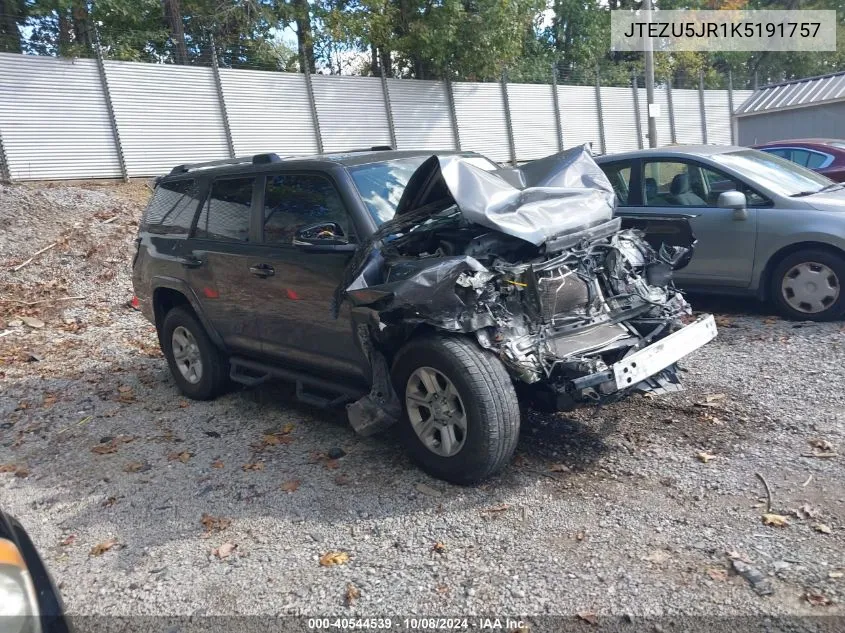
(734, 200)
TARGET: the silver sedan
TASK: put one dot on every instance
(766, 227)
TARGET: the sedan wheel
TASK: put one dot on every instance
(810, 287)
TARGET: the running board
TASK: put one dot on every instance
(317, 392)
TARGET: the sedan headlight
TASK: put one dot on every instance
(18, 602)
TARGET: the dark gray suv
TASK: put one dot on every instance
(423, 291)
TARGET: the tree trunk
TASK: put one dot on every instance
(64, 33)
(11, 12)
(386, 63)
(374, 66)
(82, 28)
(304, 34)
(173, 17)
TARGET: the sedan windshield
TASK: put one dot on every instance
(773, 172)
(381, 184)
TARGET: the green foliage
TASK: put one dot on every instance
(427, 39)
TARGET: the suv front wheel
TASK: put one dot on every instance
(197, 366)
(461, 415)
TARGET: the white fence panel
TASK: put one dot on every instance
(421, 114)
(268, 112)
(579, 116)
(620, 119)
(166, 114)
(663, 123)
(54, 119)
(533, 120)
(351, 112)
(687, 116)
(717, 113)
(482, 125)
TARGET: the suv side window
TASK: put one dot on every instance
(293, 202)
(172, 208)
(226, 214)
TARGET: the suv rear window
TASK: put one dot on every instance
(172, 207)
(226, 216)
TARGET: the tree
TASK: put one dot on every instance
(173, 16)
(12, 13)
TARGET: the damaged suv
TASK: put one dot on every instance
(425, 291)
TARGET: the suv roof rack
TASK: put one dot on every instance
(257, 159)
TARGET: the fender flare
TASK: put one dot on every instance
(182, 287)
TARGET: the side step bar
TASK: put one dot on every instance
(317, 392)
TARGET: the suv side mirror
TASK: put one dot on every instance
(734, 200)
(322, 237)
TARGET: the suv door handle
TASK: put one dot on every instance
(191, 262)
(262, 270)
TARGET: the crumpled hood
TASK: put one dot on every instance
(546, 198)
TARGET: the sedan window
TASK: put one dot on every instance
(772, 172)
(683, 184)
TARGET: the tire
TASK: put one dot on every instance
(211, 374)
(820, 297)
(486, 401)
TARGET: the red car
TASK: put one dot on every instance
(826, 156)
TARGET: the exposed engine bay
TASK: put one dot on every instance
(532, 263)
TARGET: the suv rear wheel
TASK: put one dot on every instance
(197, 366)
(461, 415)
(807, 285)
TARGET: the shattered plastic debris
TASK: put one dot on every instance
(754, 576)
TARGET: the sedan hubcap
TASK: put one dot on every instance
(436, 411)
(186, 352)
(810, 287)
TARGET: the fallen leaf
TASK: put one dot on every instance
(807, 512)
(104, 449)
(183, 404)
(22, 472)
(658, 557)
(217, 464)
(136, 467)
(342, 480)
(288, 428)
(817, 599)
(770, 321)
(589, 617)
(704, 456)
(182, 456)
(68, 541)
(428, 490)
(734, 555)
(822, 445)
(438, 548)
(214, 524)
(330, 559)
(775, 520)
(332, 464)
(224, 551)
(275, 439)
(32, 322)
(718, 573)
(109, 502)
(559, 468)
(291, 486)
(8, 468)
(821, 527)
(48, 401)
(723, 321)
(254, 466)
(101, 548)
(351, 595)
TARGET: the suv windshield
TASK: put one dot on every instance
(381, 184)
(777, 174)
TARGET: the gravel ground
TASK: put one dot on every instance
(617, 510)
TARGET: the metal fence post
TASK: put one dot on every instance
(215, 68)
(602, 139)
(5, 172)
(731, 106)
(671, 105)
(556, 105)
(104, 84)
(636, 92)
(701, 106)
(453, 113)
(508, 123)
(312, 102)
(389, 110)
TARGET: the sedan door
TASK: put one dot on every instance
(726, 237)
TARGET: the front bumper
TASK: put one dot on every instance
(649, 361)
